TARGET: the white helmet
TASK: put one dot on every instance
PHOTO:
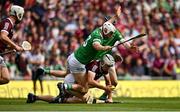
(17, 11)
(108, 60)
(108, 27)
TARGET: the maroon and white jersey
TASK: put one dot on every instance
(7, 26)
(95, 67)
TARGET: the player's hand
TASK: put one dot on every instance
(109, 88)
(134, 48)
(106, 48)
(118, 58)
(118, 11)
(19, 48)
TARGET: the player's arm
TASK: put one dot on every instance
(57, 73)
(107, 79)
(94, 83)
(5, 39)
(127, 45)
(131, 47)
(99, 47)
(108, 83)
(116, 16)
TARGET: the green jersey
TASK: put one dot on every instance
(86, 52)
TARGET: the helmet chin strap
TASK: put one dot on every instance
(17, 20)
(103, 32)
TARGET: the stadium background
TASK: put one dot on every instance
(57, 27)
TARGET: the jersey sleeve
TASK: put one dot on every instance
(119, 36)
(6, 27)
(96, 40)
(96, 36)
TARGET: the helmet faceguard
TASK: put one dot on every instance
(108, 60)
(108, 28)
(17, 11)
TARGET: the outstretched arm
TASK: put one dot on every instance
(99, 47)
(116, 16)
(58, 73)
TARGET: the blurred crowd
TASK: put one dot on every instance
(55, 28)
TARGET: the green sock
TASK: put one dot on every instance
(68, 86)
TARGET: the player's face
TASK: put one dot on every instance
(17, 21)
(105, 67)
(109, 35)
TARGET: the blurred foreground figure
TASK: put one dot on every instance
(6, 34)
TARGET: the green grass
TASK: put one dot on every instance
(130, 104)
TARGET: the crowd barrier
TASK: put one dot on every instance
(20, 89)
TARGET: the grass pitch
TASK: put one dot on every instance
(129, 104)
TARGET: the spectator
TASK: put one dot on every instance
(157, 64)
(177, 68)
(168, 68)
(138, 69)
(37, 60)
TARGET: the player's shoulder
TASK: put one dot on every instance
(96, 32)
(6, 24)
(7, 21)
(118, 34)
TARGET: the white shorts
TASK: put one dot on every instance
(69, 79)
(74, 66)
(2, 63)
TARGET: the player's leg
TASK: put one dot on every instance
(72, 89)
(4, 73)
(78, 71)
(34, 79)
(59, 99)
(114, 82)
(41, 86)
(77, 94)
(74, 99)
(81, 80)
(79, 97)
(31, 98)
(68, 86)
(40, 78)
(34, 86)
(46, 98)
